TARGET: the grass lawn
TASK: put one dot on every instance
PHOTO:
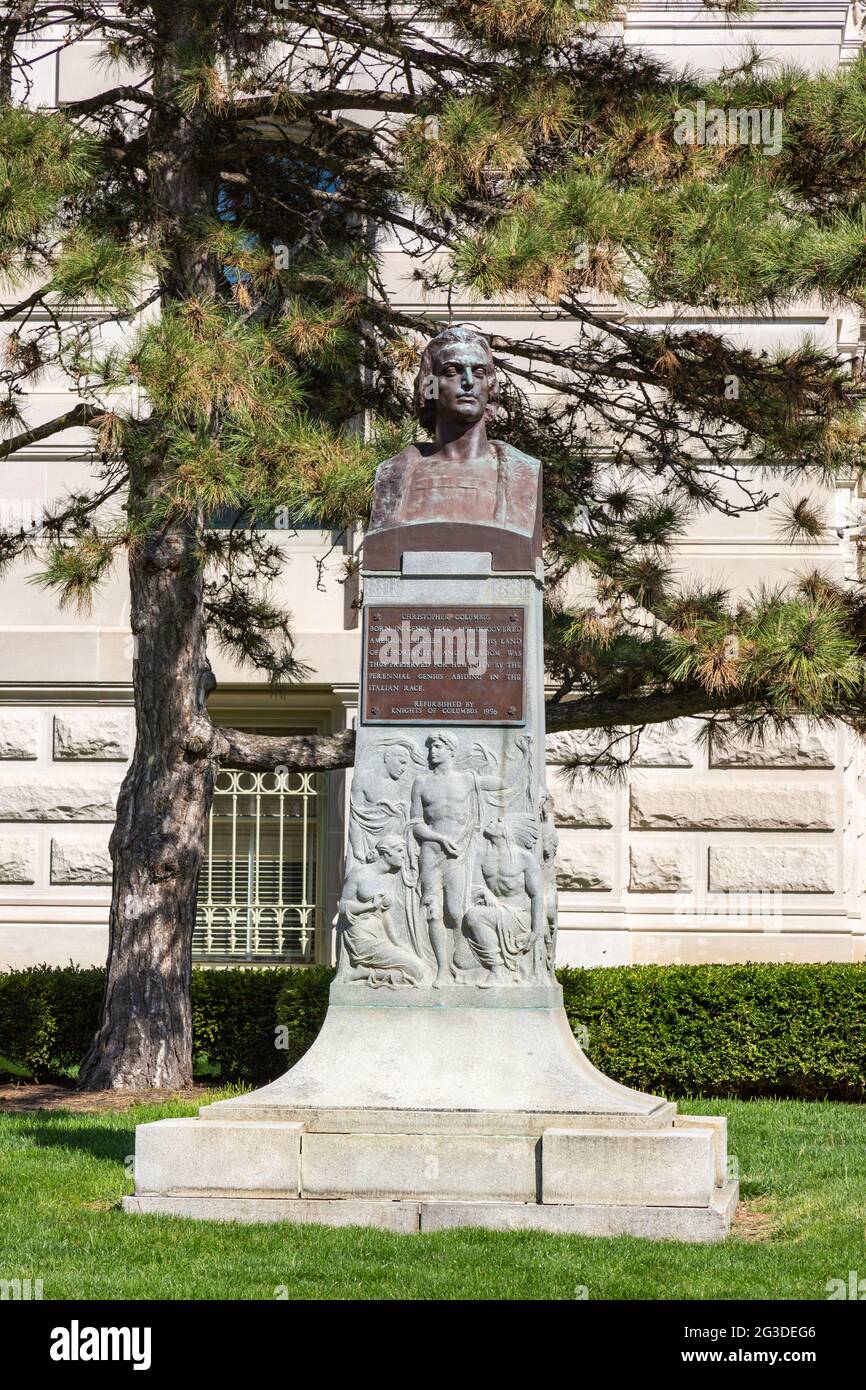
(62, 1176)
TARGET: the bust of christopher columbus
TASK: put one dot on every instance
(461, 491)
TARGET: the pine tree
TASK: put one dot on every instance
(225, 203)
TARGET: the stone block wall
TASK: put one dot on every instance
(60, 772)
(705, 850)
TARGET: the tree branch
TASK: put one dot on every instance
(297, 753)
(331, 752)
(601, 712)
(85, 106)
(80, 415)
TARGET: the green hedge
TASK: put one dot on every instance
(726, 1030)
(48, 1016)
(234, 1021)
(714, 1030)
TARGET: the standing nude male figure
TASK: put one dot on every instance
(446, 819)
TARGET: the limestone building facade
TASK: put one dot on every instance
(706, 852)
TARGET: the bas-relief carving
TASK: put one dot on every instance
(549, 846)
(378, 804)
(372, 911)
(503, 929)
(450, 865)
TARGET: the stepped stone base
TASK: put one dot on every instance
(412, 1112)
(695, 1224)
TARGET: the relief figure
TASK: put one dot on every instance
(370, 926)
(504, 928)
(549, 846)
(380, 800)
(447, 812)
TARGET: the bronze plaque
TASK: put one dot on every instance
(436, 664)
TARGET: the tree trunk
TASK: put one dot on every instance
(145, 1037)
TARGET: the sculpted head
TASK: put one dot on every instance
(396, 760)
(441, 748)
(520, 830)
(496, 831)
(456, 379)
(391, 851)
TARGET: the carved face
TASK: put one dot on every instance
(496, 831)
(461, 383)
(439, 751)
(396, 761)
(392, 853)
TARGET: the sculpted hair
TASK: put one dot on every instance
(519, 829)
(389, 842)
(425, 406)
(443, 737)
(380, 749)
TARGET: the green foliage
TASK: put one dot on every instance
(200, 359)
(43, 159)
(712, 1030)
(74, 567)
(94, 269)
(726, 1030)
(502, 24)
(301, 1007)
(233, 1021)
(48, 1016)
(791, 653)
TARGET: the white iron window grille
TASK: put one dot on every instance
(257, 889)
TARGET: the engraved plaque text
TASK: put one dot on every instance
(436, 664)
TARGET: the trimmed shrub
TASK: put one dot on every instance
(726, 1030)
(713, 1030)
(48, 1016)
(233, 1021)
(301, 1007)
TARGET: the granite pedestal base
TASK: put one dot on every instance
(421, 1110)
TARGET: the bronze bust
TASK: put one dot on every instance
(462, 491)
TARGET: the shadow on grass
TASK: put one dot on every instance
(53, 1130)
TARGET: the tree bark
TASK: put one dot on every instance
(295, 753)
(145, 1035)
(598, 712)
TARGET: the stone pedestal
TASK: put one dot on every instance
(431, 1113)
(446, 1087)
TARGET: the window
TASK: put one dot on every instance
(259, 880)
